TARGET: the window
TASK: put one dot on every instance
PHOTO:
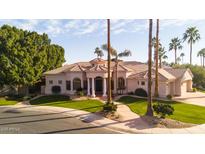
(68, 85)
(50, 81)
(142, 83)
(121, 83)
(138, 82)
(59, 81)
(76, 84)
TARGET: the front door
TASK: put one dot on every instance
(98, 85)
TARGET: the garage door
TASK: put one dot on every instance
(183, 88)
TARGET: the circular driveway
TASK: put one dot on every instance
(20, 120)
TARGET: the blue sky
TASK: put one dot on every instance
(80, 37)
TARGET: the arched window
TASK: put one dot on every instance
(76, 84)
(121, 83)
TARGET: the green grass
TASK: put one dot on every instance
(183, 112)
(4, 101)
(64, 101)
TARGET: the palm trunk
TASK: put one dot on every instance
(149, 103)
(156, 92)
(116, 75)
(109, 98)
(175, 54)
(191, 52)
(203, 60)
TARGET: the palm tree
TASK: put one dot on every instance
(149, 101)
(191, 35)
(201, 53)
(182, 57)
(178, 60)
(109, 97)
(116, 55)
(154, 44)
(98, 52)
(162, 56)
(156, 90)
(175, 45)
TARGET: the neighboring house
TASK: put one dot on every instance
(92, 78)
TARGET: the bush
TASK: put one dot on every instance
(194, 89)
(80, 93)
(131, 93)
(163, 109)
(140, 92)
(169, 96)
(56, 89)
(110, 107)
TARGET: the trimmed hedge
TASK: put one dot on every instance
(56, 89)
(140, 92)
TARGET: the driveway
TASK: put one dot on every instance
(21, 120)
(197, 98)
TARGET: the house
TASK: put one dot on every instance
(92, 78)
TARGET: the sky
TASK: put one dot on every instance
(79, 38)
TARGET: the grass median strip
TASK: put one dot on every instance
(64, 101)
(183, 112)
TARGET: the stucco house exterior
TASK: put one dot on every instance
(92, 78)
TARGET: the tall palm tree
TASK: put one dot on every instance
(191, 35)
(175, 45)
(116, 55)
(149, 101)
(182, 57)
(98, 52)
(162, 55)
(201, 53)
(154, 44)
(178, 60)
(109, 97)
(156, 90)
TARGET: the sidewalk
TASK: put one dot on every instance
(131, 123)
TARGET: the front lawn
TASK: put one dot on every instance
(4, 101)
(183, 112)
(64, 101)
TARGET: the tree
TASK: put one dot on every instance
(98, 52)
(162, 56)
(109, 98)
(178, 60)
(149, 101)
(201, 53)
(175, 45)
(182, 57)
(156, 90)
(191, 35)
(24, 56)
(116, 55)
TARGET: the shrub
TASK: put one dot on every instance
(194, 89)
(163, 109)
(131, 93)
(80, 93)
(110, 107)
(56, 89)
(140, 92)
(169, 96)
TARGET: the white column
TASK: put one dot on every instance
(104, 87)
(93, 87)
(88, 86)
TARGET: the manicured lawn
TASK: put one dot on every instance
(64, 101)
(183, 112)
(4, 101)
